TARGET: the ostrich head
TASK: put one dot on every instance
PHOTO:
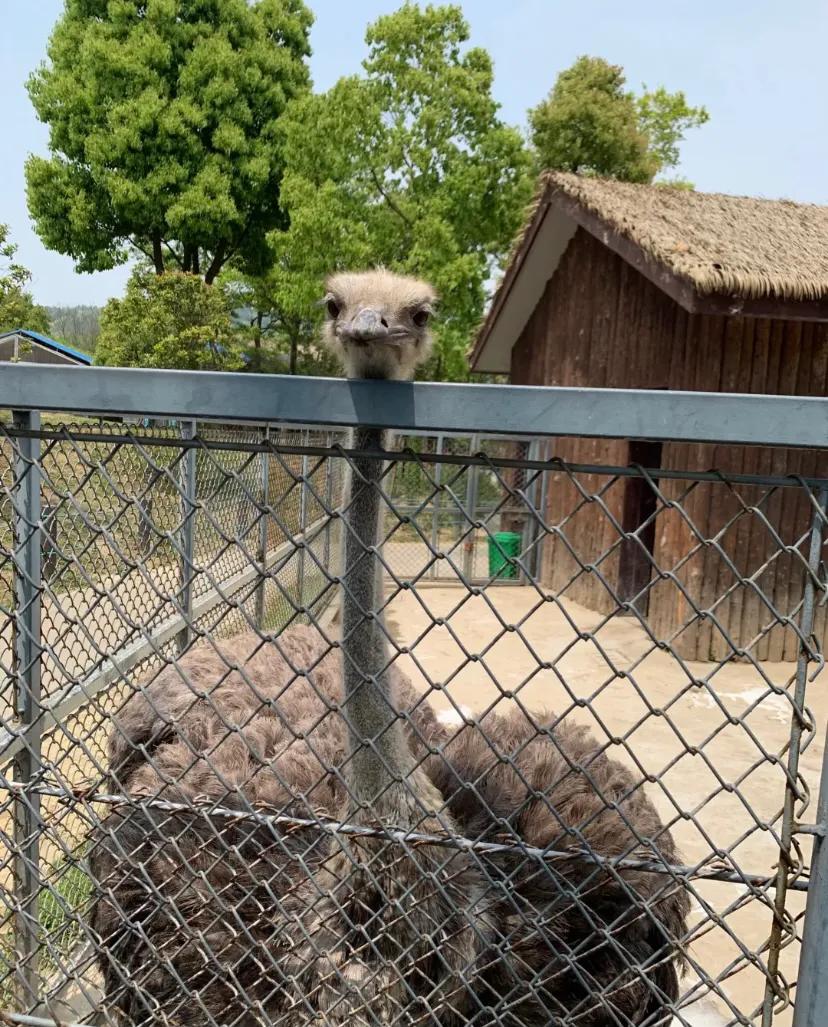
(378, 323)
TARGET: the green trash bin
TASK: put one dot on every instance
(502, 546)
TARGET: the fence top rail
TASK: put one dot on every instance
(800, 421)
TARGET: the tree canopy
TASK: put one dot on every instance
(17, 308)
(170, 320)
(407, 165)
(591, 124)
(163, 127)
(186, 131)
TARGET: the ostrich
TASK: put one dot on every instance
(210, 920)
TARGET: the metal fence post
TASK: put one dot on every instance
(471, 511)
(330, 467)
(811, 1004)
(303, 524)
(806, 627)
(187, 535)
(435, 509)
(533, 537)
(27, 659)
(261, 555)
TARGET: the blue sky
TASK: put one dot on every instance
(758, 65)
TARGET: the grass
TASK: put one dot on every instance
(62, 904)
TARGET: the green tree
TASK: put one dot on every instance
(17, 308)
(591, 124)
(171, 320)
(665, 118)
(407, 165)
(163, 127)
(280, 339)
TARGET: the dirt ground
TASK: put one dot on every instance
(710, 746)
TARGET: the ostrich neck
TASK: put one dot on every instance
(379, 752)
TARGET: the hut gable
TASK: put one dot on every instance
(710, 253)
(31, 347)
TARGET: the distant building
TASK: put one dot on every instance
(622, 286)
(28, 347)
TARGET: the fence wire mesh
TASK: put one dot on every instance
(617, 754)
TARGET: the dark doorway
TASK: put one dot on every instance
(640, 504)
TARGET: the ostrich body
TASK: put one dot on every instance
(211, 921)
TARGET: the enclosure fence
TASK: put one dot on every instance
(627, 742)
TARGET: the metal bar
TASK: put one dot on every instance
(303, 516)
(187, 535)
(330, 466)
(806, 625)
(56, 710)
(543, 508)
(776, 481)
(209, 809)
(435, 509)
(811, 1003)
(35, 1021)
(27, 697)
(264, 481)
(472, 481)
(531, 527)
(796, 421)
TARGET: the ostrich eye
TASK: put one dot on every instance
(332, 307)
(421, 317)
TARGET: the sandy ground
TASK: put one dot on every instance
(710, 746)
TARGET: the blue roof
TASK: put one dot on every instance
(44, 340)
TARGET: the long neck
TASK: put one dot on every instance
(379, 752)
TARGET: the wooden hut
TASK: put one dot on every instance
(25, 346)
(613, 285)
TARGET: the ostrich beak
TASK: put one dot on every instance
(367, 326)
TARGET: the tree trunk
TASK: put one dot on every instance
(294, 350)
(257, 342)
(186, 260)
(196, 267)
(216, 264)
(157, 254)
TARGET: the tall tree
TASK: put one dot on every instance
(407, 165)
(591, 124)
(17, 308)
(163, 126)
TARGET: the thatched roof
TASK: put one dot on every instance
(707, 244)
(731, 244)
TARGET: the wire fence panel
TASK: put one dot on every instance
(608, 810)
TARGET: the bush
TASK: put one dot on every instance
(169, 320)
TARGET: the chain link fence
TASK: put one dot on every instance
(619, 749)
(149, 539)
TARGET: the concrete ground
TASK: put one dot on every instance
(710, 746)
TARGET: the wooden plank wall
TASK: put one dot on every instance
(602, 324)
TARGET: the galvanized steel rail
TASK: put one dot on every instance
(795, 421)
